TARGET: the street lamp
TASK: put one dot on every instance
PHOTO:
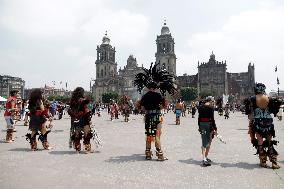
(53, 90)
(91, 87)
(278, 83)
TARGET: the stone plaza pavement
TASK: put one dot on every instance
(121, 164)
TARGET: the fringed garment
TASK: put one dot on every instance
(152, 120)
(262, 121)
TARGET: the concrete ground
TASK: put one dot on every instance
(120, 162)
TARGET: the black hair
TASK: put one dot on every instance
(76, 95)
(13, 92)
(34, 100)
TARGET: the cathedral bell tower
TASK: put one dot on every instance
(106, 66)
(165, 54)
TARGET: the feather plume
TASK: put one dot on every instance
(162, 78)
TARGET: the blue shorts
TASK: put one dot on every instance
(10, 122)
(178, 112)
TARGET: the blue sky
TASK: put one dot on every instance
(55, 40)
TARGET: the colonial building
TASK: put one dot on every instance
(165, 54)
(49, 91)
(241, 84)
(127, 75)
(187, 80)
(107, 77)
(212, 77)
(8, 83)
(106, 69)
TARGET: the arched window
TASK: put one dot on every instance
(102, 72)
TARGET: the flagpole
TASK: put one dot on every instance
(278, 83)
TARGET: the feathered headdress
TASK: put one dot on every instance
(259, 88)
(155, 78)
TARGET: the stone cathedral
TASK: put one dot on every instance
(212, 76)
(165, 54)
(108, 78)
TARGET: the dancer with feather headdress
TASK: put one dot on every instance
(153, 101)
(259, 109)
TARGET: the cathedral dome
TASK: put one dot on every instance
(106, 39)
(131, 62)
(165, 30)
(212, 56)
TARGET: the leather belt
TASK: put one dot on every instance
(204, 119)
(152, 111)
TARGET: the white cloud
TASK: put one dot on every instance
(252, 36)
(63, 35)
(72, 51)
(124, 28)
(69, 18)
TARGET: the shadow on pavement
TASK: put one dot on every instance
(123, 159)
(62, 152)
(172, 124)
(22, 125)
(21, 150)
(5, 130)
(192, 162)
(57, 131)
(242, 165)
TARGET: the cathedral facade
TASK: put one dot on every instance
(165, 54)
(108, 79)
(212, 77)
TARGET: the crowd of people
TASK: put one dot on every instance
(38, 114)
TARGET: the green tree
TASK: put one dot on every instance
(205, 93)
(58, 98)
(188, 93)
(107, 97)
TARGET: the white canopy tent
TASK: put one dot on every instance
(2, 99)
